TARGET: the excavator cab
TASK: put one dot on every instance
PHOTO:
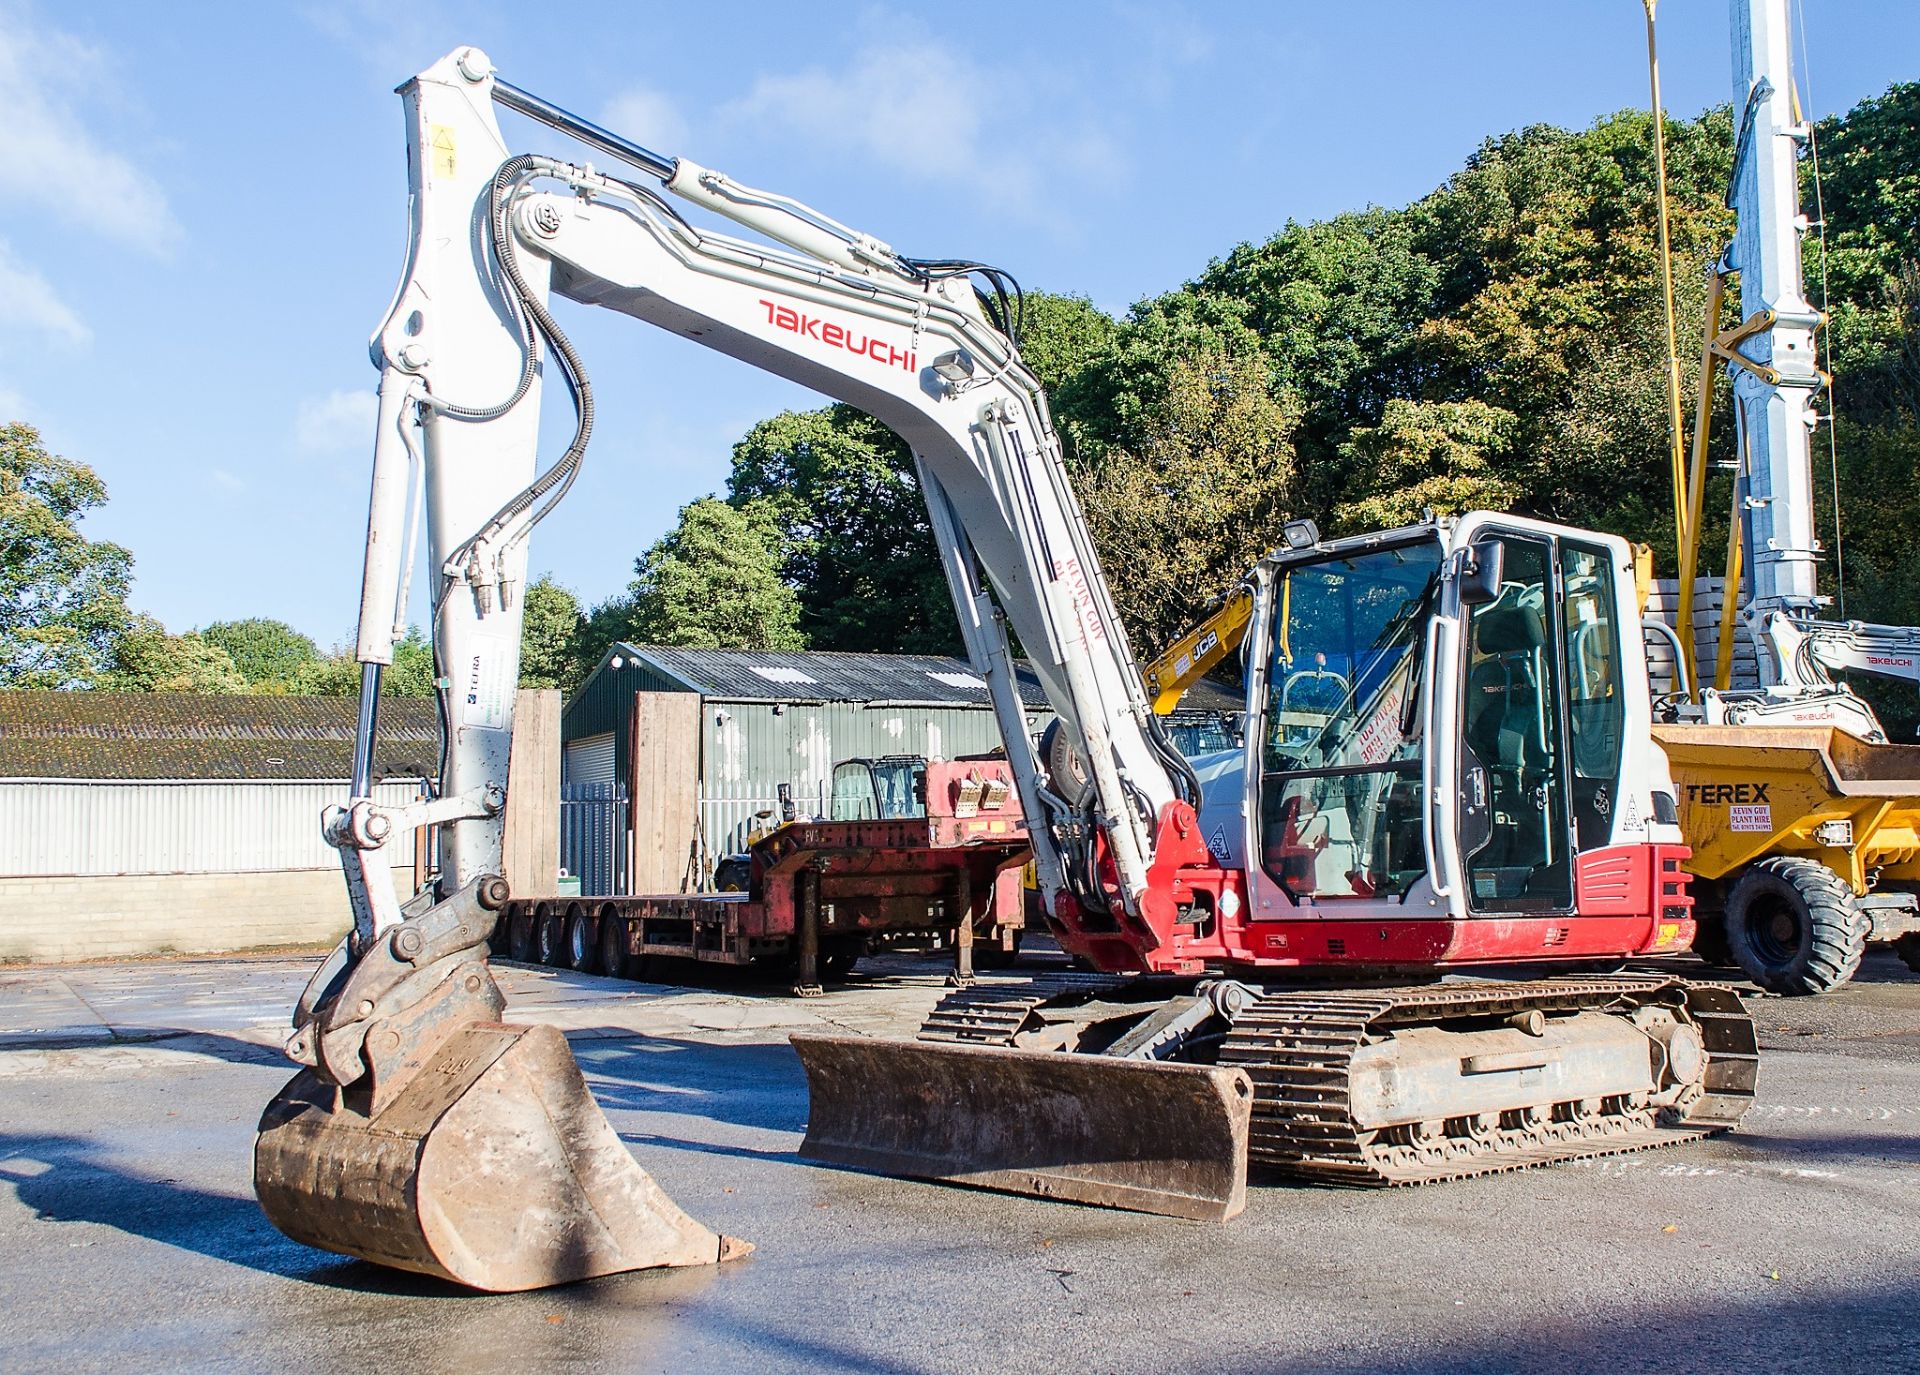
(1473, 784)
(1527, 719)
(889, 788)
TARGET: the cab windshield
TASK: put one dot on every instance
(1341, 787)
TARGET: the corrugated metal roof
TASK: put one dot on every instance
(136, 735)
(744, 675)
(1211, 695)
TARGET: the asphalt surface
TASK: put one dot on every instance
(130, 1241)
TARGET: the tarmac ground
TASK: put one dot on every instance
(130, 1239)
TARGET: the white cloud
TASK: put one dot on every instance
(13, 406)
(49, 160)
(335, 423)
(222, 480)
(648, 118)
(934, 115)
(395, 41)
(30, 305)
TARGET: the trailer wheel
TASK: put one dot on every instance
(1907, 947)
(991, 956)
(838, 956)
(581, 928)
(549, 936)
(1792, 925)
(520, 936)
(611, 946)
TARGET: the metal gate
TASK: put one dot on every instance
(593, 836)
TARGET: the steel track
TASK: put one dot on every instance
(1298, 1049)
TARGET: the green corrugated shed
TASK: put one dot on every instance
(788, 717)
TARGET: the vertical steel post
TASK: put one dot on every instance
(1697, 483)
(808, 983)
(1677, 443)
(963, 932)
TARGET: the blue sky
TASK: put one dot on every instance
(202, 207)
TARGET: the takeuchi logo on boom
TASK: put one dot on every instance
(840, 337)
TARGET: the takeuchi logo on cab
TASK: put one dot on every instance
(840, 337)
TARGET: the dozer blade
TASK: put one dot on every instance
(1135, 1134)
(492, 1167)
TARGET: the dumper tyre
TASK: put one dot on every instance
(520, 936)
(610, 945)
(578, 948)
(1710, 939)
(549, 936)
(1793, 927)
(1907, 947)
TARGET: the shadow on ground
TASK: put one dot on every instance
(67, 1179)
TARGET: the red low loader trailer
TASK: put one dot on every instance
(819, 893)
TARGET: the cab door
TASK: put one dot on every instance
(1515, 835)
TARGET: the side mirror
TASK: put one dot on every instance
(1480, 573)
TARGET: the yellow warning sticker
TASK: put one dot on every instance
(440, 139)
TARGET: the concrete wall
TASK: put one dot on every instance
(96, 916)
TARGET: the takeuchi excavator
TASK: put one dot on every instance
(1448, 770)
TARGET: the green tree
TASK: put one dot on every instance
(852, 538)
(63, 597)
(1198, 502)
(713, 582)
(147, 659)
(1061, 335)
(553, 653)
(1114, 397)
(1447, 456)
(268, 654)
(337, 674)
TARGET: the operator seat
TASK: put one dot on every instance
(1504, 729)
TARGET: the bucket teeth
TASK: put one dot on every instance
(493, 1167)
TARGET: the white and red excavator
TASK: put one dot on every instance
(1448, 766)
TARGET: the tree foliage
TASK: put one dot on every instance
(337, 674)
(1440, 456)
(837, 490)
(553, 651)
(269, 655)
(1211, 477)
(63, 597)
(712, 582)
(147, 659)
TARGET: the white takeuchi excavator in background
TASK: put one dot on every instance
(1448, 765)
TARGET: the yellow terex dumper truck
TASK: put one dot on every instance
(1803, 818)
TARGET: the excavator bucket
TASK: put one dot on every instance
(1135, 1134)
(492, 1167)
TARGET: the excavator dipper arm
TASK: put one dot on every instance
(420, 1118)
